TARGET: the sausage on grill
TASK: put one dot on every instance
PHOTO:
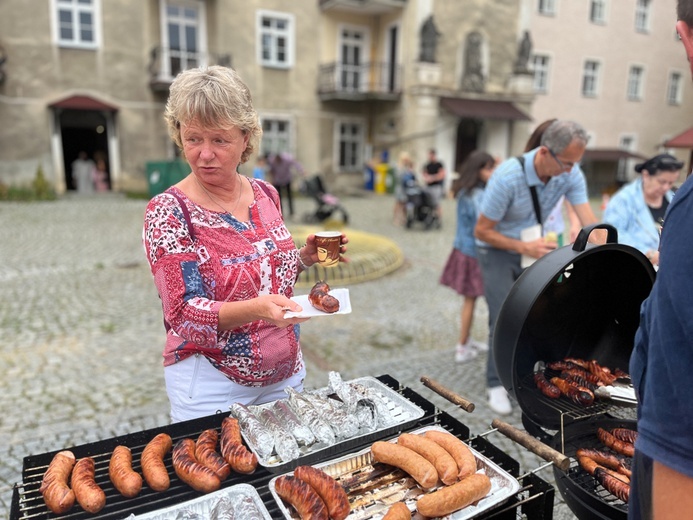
(240, 458)
(624, 448)
(56, 492)
(331, 492)
(303, 498)
(189, 470)
(125, 480)
(88, 493)
(153, 467)
(206, 453)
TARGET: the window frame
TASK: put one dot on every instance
(601, 5)
(75, 9)
(289, 34)
(596, 78)
(541, 75)
(625, 167)
(356, 164)
(546, 7)
(164, 72)
(677, 98)
(274, 138)
(635, 86)
(643, 13)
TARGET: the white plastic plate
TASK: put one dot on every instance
(309, 311)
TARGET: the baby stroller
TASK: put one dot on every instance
(327, 203)
(420, 206)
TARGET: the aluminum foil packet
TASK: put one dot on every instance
(311, 417)
(334, 413)
(384, 416)
(242, 508)
(284, 443)
(261, 438)
(286, 416)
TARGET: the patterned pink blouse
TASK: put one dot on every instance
(227, 260)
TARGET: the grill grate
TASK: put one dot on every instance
(533, 502)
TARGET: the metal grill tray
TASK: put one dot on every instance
(203, 505)
(406, 413)
(503, 486)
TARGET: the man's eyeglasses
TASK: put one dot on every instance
(567, 166)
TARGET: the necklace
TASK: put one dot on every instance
(209, 195)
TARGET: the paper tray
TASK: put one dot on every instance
(406, 413)
(204, 504)
(503, 486)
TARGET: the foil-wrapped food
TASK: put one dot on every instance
(308, 421)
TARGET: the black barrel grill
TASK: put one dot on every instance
(579, 301)
(534, 501)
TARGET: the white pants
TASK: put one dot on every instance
(196, 389)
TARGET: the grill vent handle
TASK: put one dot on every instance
(451, 396)
(535, 446)
(581, 240)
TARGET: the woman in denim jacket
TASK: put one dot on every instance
(637, 210)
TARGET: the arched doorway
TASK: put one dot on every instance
(468, 131)
(84, 124)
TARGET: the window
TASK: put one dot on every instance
(77, 23)
(625, 166)
(350, 136)
(540, 66)
(674, 88)
(183, 37)
(635, 79)
(598, 11)
(275, 136)
(275, 39)
(547, 7)
(642, 15)
(590, 78)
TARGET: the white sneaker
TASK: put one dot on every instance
(463, 353)
(478, 345)
(498, 400)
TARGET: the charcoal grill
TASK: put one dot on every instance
(579, 301)
(534, 501)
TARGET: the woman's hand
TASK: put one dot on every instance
(268, 307)
(309, 252)
(276, 307)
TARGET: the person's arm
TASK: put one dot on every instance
(573, 221)
(485, 230)
(672, 493)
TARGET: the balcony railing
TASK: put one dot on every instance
(166, 63)
(375, 80)
(367, 7)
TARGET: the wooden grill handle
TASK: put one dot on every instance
(534, 445)
(451, 396)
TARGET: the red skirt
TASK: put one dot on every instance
(463, 275)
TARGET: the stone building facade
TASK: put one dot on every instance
(339, 84)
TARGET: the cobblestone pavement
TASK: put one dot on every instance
(82, 333)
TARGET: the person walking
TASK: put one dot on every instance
(462, 272)
(544, 174)
(282, 168)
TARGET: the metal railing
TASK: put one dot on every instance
(377, 80)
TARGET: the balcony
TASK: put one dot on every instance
(166, 63)
(368, 81)
(362, 7)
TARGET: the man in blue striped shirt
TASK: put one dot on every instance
(551, 171)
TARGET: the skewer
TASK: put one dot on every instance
(448, 394)
(535, 446)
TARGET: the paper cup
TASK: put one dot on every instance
(328, 244)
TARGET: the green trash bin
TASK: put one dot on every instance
(161, 175)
